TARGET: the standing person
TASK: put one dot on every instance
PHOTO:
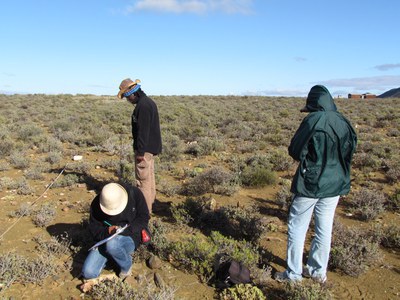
(146, 136)
(116, 206)
(323, 145)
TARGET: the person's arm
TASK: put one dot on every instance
(142, 217)
(98, 229)
(143, 130)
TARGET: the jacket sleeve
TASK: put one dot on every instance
(143, 128)
(298, 145)
(98, 230)
(142, 217)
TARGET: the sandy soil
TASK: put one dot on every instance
(381, 282)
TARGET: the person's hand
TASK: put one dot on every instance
(112, 229)
(139, 159)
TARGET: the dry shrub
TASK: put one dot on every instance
(215, 180)
(353, 250)
(44, 216)
(368, 204)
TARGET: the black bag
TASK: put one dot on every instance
(233, 272)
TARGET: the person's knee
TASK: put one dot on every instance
(88, 272)
(113, 246)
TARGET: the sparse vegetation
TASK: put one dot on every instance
(223, 172)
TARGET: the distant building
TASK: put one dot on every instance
(361, 96)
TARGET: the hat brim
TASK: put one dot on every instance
(121, 92)
(119, 209)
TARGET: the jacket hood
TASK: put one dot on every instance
(319, 99)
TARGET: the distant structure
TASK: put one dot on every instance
(361, 96)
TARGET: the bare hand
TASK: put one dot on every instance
(112, 229)
(139, 159)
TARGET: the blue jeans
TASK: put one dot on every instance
(301, 210)
(119, 249)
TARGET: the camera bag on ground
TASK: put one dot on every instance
(233, 272)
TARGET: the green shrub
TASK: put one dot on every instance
(242, 292)
(257, 176)
(195, 254)
(67, 180)
(307, 290)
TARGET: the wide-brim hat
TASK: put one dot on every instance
(113, 199)
(126, 85)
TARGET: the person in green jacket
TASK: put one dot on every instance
(323, 145)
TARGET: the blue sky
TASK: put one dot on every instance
(199, 47)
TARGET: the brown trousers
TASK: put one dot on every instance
(145, 178)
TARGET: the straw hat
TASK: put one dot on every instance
(126, 85)
(113, 199)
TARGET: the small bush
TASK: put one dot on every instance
(34, 173)
(257, 176)
(353, 250)
(6, 146)
(195, 254)
(66, 180)
(120, 290)
(44, 216)
(284, 195)
(368, 204)
(216, 180)
(19, 160)
(389, 236)
(24, 210)
(54, 157)
(22, 186)
(393, 172)
(56, 246)
(242, 292)
(17, 268)
(307, 290)
(394, 201)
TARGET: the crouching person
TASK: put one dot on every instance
(115, 207)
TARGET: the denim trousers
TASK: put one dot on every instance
(300, 214)
(118, 249)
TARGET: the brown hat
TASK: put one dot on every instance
(113, 199)
(126, 85)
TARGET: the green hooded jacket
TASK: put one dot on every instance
(324, 145)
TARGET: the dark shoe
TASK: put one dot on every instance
(281, 277)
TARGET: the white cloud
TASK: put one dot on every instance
(378, 83)
(193, 6)
(387, 67)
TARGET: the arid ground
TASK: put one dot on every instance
(45, 193)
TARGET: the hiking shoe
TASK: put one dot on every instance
(319, 279)
(281, 277)
(124, 275)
